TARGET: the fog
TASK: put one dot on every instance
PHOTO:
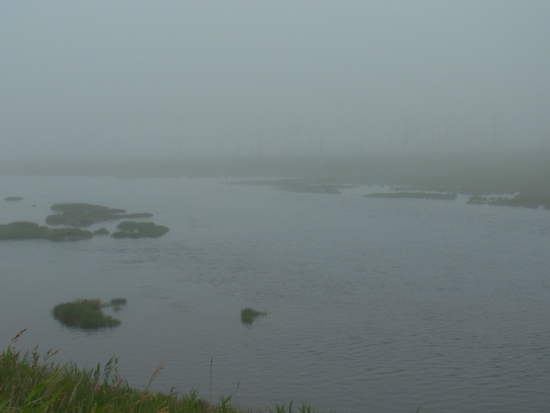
(173, 79)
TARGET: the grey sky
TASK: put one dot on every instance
(137, 78)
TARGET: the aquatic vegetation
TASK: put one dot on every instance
(83, 215)
(418, 195)
(85, 314)
(30, 230)
(101, 231)
(248, 315)
(13, 198)
(132, 229)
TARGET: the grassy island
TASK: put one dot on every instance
(131, 229)
(84, 215)
(248, 315)
(87, 314)
(30, 230)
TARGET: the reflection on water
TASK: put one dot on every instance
(373, 304)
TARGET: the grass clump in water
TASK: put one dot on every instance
(85, 314)
(117, 303)
(248, 315)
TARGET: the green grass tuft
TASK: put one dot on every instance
(32, 383)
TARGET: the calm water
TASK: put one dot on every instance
(373, 304)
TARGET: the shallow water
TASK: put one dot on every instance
(373, 304)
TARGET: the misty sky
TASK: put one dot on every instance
(172, 78)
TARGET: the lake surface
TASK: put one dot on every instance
(373, 304)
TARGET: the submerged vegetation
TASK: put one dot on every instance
(87, 314)
(13, 198)
(84, 215)
(32, 383)
(29, 230)
(248, 315)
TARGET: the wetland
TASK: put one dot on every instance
(374, 304)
